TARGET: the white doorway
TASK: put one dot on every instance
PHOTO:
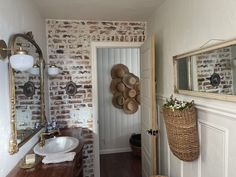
(95, 47)
(115, 126)
(147, 93)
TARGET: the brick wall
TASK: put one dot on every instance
(69, 47)
(216, 61)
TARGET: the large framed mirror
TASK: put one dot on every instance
(208, 72)
(27, 93)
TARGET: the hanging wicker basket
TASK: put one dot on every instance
(181, 126)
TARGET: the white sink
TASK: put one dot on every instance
(57, 145)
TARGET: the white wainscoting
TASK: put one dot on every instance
(115, 127)
(217, 134)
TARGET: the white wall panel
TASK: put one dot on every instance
(217, 135)
(213, 150)
(115, 126)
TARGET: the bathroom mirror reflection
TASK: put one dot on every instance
(26, 93)
(208, 72)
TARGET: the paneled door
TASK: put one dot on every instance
(148, 108)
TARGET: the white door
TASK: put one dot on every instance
(148, 107)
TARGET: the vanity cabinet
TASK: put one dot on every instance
(65, 169)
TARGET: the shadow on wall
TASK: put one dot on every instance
(160, 76)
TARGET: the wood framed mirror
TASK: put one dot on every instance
(208, 72)
(26, 94)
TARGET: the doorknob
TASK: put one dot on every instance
(152, 132)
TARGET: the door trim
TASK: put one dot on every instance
(94, 46)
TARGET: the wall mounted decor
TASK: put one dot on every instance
(28, 89)
(26, 120)
(130, 80)
(130, 106)
(118, 71)
(215, 79)
(208, 72)
(118, 100)
(125, 89)
(117, 86)
(71, 88)
(181, 125)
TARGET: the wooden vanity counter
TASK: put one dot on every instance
(65, 169)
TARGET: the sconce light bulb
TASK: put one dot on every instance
(35, 70)
(53, 70)
(21, 62)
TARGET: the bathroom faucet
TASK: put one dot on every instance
(42, 136)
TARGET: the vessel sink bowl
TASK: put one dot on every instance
(57, 145)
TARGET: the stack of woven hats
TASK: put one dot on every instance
(125, 89)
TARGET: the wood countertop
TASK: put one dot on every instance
(65, 169)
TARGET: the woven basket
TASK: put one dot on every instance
(182, 133)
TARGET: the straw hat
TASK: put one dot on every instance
(130, 93)
(118, 100)
(137, 98)
(118, 71)
(130, 80)
(137, 87)
(117, 86)
(130, 106)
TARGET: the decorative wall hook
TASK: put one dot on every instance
(71, 88)
(28, 89)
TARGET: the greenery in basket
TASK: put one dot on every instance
(174, 104)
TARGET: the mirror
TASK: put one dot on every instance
(27, 94)
(208, 72)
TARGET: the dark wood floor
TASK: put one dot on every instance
(120, 165)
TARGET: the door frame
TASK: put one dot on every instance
(94, 47)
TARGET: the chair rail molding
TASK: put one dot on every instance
(230, 113)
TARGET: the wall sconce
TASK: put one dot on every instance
(35, 70)
(20, 61)
(53, 70)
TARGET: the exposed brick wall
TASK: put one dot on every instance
(216, 61)
(69, 47)
(27, 105)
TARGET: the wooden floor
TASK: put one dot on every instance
(120, 165)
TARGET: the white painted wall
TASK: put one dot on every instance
(16, 16)
(181, 26)
(115, 126)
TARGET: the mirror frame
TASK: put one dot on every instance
(215, 46)
(13, 145)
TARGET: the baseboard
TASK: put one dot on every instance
(117, 150)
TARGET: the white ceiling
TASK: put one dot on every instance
(136, 10)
